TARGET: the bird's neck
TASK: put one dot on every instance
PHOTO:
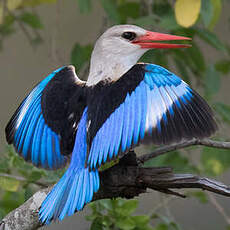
(109, 67)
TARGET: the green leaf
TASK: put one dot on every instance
(182, 69)
(4, 163)
(223, 110)
(80, 55)
(125, 223)
(7, 27)
(11, 200)
(9, 20)
(84, 5)
(128, 207)
(141, 221)
(106, 204)
(9, 184)
(32, 20)
(106, 221)
(210, 12)
(146, 20)
(168, 22)
(162, 8)
(35, 175)
(2, 213)
(215, 162)
(195, 54)
(223, 66)
(201, 196)
(206, 12)
(128, 10)
(216, 5)
(212, 81)
(96, 224)
(111, 10)
(186, 60)
(211, 39)
(161, 226)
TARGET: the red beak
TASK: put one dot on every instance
(147, 41)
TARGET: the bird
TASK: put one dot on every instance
(122, 104)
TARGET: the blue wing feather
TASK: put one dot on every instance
(162, 106)
(108, 139)
(32, 138)
(131, 123)
(115, 128)
(126, 123)
(143, 108)
(119, 123)
(138, 118)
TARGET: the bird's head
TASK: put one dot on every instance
(121, 46)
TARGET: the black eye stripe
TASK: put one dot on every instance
(129, 35)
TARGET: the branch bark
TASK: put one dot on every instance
(127, 179)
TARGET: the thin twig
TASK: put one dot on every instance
(55, 49)
(22, 179)
(150, 5)
(184, 144)
(218, 207)
(161, 205)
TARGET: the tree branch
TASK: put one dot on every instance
(127, 179)
(184, 144)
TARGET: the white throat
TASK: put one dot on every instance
(112, 65)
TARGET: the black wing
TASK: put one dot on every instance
(43, 128)
(146, 102)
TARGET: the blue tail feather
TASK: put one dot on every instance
(77, 185)
(69, 195)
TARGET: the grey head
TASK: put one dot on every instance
(120, 47)
(114, 53)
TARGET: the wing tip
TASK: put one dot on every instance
(191, 118)
(9, 132)
(195, 120)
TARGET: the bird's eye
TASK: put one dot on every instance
(129, 35)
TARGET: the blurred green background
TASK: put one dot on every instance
(38, 36)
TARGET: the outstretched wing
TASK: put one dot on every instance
(43, 127)
(148, 102)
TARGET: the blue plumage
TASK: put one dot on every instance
(148, 103)
(77, 185)
(33, 139)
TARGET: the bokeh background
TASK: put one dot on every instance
(38, 36)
